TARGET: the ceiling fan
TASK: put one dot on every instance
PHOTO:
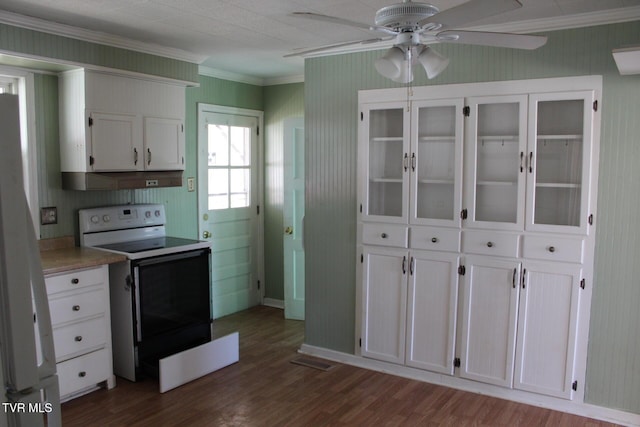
(414, 25)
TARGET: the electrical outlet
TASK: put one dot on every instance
(191, 184)
(48, 215)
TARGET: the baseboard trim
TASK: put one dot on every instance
(275, 303)
(571, 407)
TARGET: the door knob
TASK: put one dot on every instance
(206, 234)
(288, 230)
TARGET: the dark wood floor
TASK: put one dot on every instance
(265, 389)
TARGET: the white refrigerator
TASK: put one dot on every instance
(30, 394)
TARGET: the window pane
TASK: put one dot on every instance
(240, 151)
(218, 189)
(218, 145)
(240, 187)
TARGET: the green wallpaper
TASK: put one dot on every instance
(44, 45)
(331, 85)
(280, 103)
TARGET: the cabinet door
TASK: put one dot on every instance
(559, 161)
(431, 311)
(384, 303)
(547, 326)
(163, 144)
(495, 162)
(436, 162)
(489, 320)
(384, 139)
(116, 142)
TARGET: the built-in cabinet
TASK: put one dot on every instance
(80, 319)
(114, 123)
(476, 230)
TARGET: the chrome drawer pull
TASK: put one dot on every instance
(82, 374)
(489, 244)
(434, 240)
(75, 280)
(76, 308)
(552, 249)
(78, 338)
(383, 235)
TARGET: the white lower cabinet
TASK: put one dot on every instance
(520, 324)
(409, 313)
(80, 318)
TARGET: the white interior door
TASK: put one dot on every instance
(229, 198)
(293, 217)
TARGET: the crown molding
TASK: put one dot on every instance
(64, 30)
(283, 80)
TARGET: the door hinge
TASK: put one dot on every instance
(182, 128)
(360, 342)
(595, 105)
(590, 219)
(463, 214)
(91, 160)
(360, 207)
(466, 111)
(462, 270)
(183, 160)
(90, 121)
(258, 284)
(361, 258)
(456, 362)
(574, 386)
(258, 130)
(361, 116)
(258, 209)
(582, 283)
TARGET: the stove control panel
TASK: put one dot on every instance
(121, 217)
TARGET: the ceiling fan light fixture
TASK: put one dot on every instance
(432, 62)
(392, 63)
(406, 72)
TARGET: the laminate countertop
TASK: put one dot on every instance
(61, 255)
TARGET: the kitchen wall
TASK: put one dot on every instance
(331, 117)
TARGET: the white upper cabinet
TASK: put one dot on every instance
(559, 161)
(496, 145)
(413, 153)
(114, 123)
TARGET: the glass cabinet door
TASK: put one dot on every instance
(387, 160)
(436, 162)
(496, 162)
(558, 161)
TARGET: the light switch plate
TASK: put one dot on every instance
(191, 184)
(48, 215)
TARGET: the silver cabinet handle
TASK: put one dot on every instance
(149, 156)
(76, 308)
(552, 249)
(78, 338)
(530, 161)
(413, 161)
(82, 374)
(384, 235)
(513, 280)
(406, 162)
(434, 240)
(489, 244)
(404, 265)
(521, 161)
(75, 281)
(135, 156)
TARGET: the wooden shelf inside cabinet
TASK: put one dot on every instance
(392, 180)
(499, 138)
(436, 181)
(572, 137)
(387, 139)
(436, 139)
(497, 183)
(556, 185)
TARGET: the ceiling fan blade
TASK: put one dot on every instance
(470, 11)
(342, 21)
(483, 38)
(333, 46)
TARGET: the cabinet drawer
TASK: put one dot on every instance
(385, 235)
(77, 279)
(77, 306)
(79, 338)
(491, 243)
(435, 238)
(553, 248)
(83, 371)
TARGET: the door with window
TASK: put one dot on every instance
(229, 194)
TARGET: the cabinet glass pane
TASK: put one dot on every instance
(558, 162)
(435, 154)
(498, 162)
(386, 153)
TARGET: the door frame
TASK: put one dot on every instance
(204, 108)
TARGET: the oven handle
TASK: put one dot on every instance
(171, 257)
(136, 289)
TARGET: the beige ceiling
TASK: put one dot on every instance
(250, 37)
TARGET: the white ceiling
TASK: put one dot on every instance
(250, 37)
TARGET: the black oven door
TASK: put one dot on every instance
(172, 303)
